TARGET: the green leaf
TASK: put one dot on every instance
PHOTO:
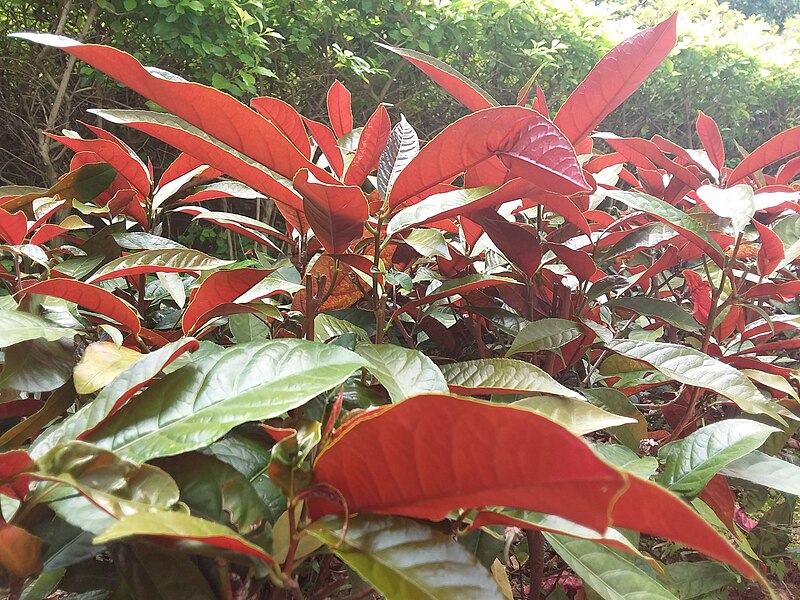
(156, 573)
(668, 312)
(17, 326)
(181, 526)
(405, 559)
(152, 261)
(204, 400)
(578, 416)
(611, 575)
(139, 240)
(618, 403)
(691, 462)
(402, 371)
(502, 376)
(100, 364)
(37, 366)
(247, 327)
(428, 242)
(429, 208)
(84, 183)
(769, 471)
(546, 334)
(116, 485)
(626, 459)
(691, 580)
(43, 585)
(692, 367)
(666, 213)
(327, 327)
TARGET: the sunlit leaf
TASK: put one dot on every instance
(402, 371)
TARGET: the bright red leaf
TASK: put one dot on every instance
(771, 253)
(370, 146)
(13, 480)
(710, 137)
(13, 227)
(286, 118)
(781, 146)
(326, 141)
(340, 112)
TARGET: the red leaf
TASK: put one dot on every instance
(450, 80)
(370, 146)
(579, 262)
(286, 118)
(340, 112)
(328, 144)
(771, 253)
(618, 74)
(336, 213)
(646, 154)
(719, 497)
(219, 288)
(14, 409)
(432, 454)
(184, 164)
(127, 165)
(540, 103)
(91, 297)
(788, 171)
(216, 113)
(651, 509)
(13, 227)
(451, 290)
(782, 145)
(530, 145)
(709, 135)
(774, 290)
(518, 242)
(13, 466)
(700, 290)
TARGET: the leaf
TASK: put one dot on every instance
(736, 203)
(17, 326)
(202, 401)
(118, 486)
(56, 405)
(286, 118)
(13, 468)
(528, 144)
(669, 215)
(771, 253)
(545, 334)
(405, 559)
(89, 296)
(13, 227)
(428, 243)
(698, 579)
(100, 364)
(612, 576)
(709, 135)
(455, 287)
(181, 526)
(158, 261)
(84, 183)
(618, 74)
(400, 150)
(769, 471)
(781, 146)
(626, 459)
(692, 367)
(327, 327)
(216, 291)
(453, 82)
(327, 143)
(339, 110)
(20, 551)
(691, 462)
(502, 376)
(156, 573)
(478, 468)
(37, 366)
(578, 416)
(667, 311)
(402, 371)
(336, 213)
(113, 396)
(371, 143)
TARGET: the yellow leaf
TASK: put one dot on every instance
(100, 364)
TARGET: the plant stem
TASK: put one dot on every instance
(535, 562)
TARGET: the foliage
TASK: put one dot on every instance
(413, 355)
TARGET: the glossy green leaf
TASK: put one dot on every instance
(37, 366)
(546, 334)
(668, 214)
(618, 403)
(669, 312)
(769, 471)
(17, 326)
(611, 575)
(204, 400)
(100, 364)
(579, 416)
(327, 327)
(502, 376)
(181, 526)
(626, 459)
(692, 461)
(430, 243)
(691, 580)
(692, 367)
(154, 261)
(405, 559)
(402, 371)
(118, 486)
